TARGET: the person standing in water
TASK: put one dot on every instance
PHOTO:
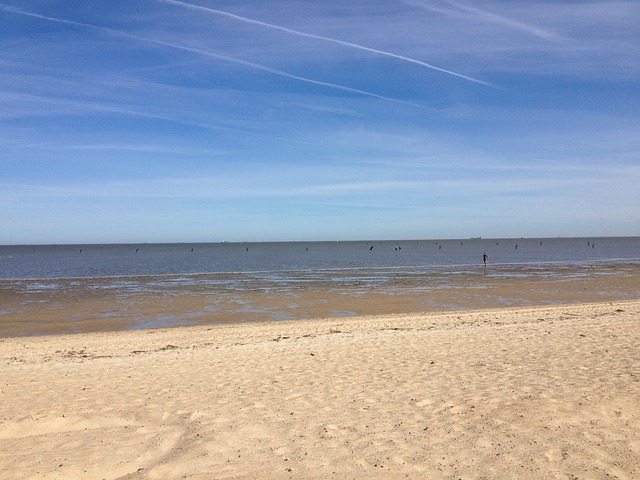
(485, 257)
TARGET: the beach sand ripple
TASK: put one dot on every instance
(529, 393)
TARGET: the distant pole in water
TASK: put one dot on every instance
(371, 248)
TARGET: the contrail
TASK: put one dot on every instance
(211, 54)
(326, 39)
(264, 68)
(489, 17)
(11, 9)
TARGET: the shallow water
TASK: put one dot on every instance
(67, 261)
(67, 289)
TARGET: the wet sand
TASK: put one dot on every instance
(528, 393)
(46, 307)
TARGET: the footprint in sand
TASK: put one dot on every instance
(59, 443)
(555, 455)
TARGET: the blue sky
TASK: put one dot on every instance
(210, 120)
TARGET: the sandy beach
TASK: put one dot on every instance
(533, 392)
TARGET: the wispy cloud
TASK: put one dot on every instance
(266, 187)
(218, 56)
(275, 71)
(595, 40)
(495, 18)
(85, 107)
(325, 39)
(130, 147)
(488, 16)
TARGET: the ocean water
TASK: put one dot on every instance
(273, 261)
(294, 280)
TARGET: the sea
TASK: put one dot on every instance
(241, 282)
(275, 261)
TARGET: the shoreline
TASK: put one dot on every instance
(48, 307)
(527, 392)
(259, 331)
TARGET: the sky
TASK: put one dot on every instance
(213, 120)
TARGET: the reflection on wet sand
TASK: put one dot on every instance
(43, 307)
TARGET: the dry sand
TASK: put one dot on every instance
(538, 392)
